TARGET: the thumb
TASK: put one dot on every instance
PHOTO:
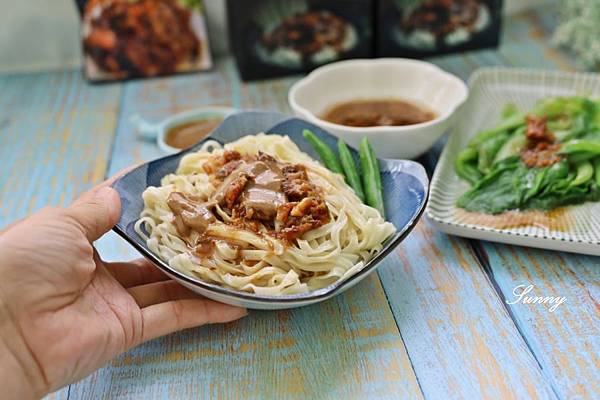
(96, 211)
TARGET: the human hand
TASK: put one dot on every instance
(64, 312)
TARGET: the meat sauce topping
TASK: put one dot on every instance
(259, 193)
(541, 149)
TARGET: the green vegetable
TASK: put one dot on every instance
(501, 181)
(509, 110)
(350, 170)
(466, 167)
(325, 153)
(585, 172)
(509, 123)
(489, 149)
(581, 146)
(596, 163)
(371, 177)
(512, 185)
(512, 146)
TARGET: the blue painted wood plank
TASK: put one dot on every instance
(461, 341)
(565, 341)
(173, 367)
(348, 347)
(55, 139)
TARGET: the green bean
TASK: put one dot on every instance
(465, 168)
(350, 169)
(325, 153)
(585, 172)
(371, 177)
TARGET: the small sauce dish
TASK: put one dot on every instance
(419, 83)
(183, 130)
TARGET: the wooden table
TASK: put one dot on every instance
(432, 323)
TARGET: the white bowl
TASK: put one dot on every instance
(158, 131)
(417, 81)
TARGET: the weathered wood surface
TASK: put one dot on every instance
(56, 135)
(566, 342)
(434, 324)
(55, 140)
(345, 348)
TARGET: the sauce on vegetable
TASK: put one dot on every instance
(541, 149)
(186, 135)
(554, 220)
(378, 112)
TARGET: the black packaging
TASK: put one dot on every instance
(422, 28)
(281, 37)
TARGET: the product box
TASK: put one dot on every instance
(422, 28)
(142, 38)
(280, 37)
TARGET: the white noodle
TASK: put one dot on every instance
(318, 258)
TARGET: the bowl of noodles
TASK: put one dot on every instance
(250, 217)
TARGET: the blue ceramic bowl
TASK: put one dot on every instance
(405, 187)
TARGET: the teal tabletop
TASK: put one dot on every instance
(433, 323)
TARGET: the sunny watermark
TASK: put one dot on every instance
(521, 293)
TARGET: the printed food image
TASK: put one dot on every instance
(433, 24)
(542, 159)
(123, 38)
(260, 216)
(303, 37)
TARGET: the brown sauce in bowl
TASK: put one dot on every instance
(188, 134)
(378, 112)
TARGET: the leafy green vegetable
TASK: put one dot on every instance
(489, 149)
(513, 145)
(509, 110)
(507, 124)
(502, 181)
(465, 167)
(596, 163)
(585, 172)
(581, 146)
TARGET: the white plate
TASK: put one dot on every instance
(574, 229)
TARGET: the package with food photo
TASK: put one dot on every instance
(281, 37)
(124, 39)
(422, 28)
